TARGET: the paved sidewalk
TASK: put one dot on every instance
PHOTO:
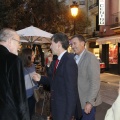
(110, 78)
(109, 86)
(101, 111)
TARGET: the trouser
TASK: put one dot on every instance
(31, 105)
(90, 116)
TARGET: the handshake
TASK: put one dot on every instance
(35, 76)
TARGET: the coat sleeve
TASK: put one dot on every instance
(94, 79)
(45, 80)
(18, 89)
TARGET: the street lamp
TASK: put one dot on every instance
(74, 11)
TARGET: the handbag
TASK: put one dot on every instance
(35, 90)
(36, 94)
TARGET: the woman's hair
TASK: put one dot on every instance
(26, 56)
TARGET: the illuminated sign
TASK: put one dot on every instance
(101, 12)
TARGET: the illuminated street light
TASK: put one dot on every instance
(74, 11)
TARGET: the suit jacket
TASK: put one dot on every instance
(13, 104)
(64, 92)
(114, 112)
(89, 79)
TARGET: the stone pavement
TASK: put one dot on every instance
(110, 78)
(109, 87)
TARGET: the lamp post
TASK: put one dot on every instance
(74, 11)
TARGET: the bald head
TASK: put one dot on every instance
(6, 34)
(10, 39)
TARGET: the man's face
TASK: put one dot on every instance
(54, 47)
(77, 45)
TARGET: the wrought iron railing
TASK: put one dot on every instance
(92, 32)
(115, 20)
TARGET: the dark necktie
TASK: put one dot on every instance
(56, 65)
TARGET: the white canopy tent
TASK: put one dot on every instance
(34, 35)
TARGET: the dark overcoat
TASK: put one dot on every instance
(13, 103)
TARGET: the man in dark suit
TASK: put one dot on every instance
(13, 104)
(63, 80)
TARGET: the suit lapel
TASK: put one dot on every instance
(61, 61)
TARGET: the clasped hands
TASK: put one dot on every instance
(36, 77)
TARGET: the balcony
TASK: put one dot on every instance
(94, 8)
(92, 33)
(115, 22)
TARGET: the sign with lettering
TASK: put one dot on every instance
(101, 12)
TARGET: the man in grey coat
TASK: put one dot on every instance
(88, 77)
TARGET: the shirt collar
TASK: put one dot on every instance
(81, 53)
(60, 56)
(78, 57)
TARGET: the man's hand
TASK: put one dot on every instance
(36, 77)
(88, 108)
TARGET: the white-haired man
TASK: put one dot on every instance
(13, 103)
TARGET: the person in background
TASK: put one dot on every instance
(13, 101)
(114, 112)
(88, 77)
(47, 55)
(27, 56)
(62, 79)
(48, 60)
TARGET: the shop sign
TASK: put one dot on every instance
(101, 12)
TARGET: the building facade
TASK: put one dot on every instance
(104, 40)
(109, 41)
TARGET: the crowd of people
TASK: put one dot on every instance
(74, 79)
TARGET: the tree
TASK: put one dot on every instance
(49, 15)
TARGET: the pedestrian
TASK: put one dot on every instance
(27, 56)
(63, 79)
(13, 101)
(88, 77)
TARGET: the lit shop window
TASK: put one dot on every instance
(113, 54)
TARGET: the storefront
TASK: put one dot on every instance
(109, 50)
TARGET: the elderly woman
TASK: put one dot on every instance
(27, 57)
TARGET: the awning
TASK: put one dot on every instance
(108, 40)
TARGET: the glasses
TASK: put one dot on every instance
(17, 41)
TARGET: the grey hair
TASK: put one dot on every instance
(7, 33)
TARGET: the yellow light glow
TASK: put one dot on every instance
(74, 11)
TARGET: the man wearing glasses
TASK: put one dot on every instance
(13, 103)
